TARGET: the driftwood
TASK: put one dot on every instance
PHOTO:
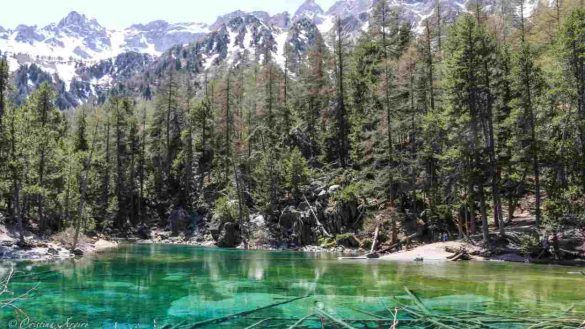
(572, 253)
(461, 254)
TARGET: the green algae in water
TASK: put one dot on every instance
(136, 285)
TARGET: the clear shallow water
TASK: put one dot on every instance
(136, 285)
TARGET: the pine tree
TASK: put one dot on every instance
(466, 92)
(4, 75)
(123, 186)
(165, 136)
(341, 127)
(315, 98)
(47, 132)
(573, 41)
(487, 48)
(526, 87)
(17, 137)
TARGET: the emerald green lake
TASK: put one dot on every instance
(136, 286)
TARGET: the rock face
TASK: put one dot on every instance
(297, 226)
(341, 216)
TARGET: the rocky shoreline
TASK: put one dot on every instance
(161, 237)
(54, 248)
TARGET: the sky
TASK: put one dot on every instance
(123, 13)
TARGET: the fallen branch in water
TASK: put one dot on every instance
(402, 241)
(244, 313)
(257, 323)
(301, 320)
(334, 319)
(476, 319)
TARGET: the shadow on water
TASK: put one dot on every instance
(137, 285)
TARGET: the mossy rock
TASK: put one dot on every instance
(366, 243)
(347, 240)
(327, 242)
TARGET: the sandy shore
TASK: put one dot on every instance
(434, 251)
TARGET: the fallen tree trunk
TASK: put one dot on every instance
(402, 241)
(317, 218)
(375, 241)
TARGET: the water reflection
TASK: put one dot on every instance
(176, 284)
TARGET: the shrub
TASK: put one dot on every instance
(296, 171)
(530, 244)
(226, 209)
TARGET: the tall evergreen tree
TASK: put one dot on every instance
(466, 93)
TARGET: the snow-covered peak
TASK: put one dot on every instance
(75, 21)
(309, 9)
(344, 8)
(281, 20)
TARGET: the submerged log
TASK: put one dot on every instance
(301, 320)
(244, 313)
(340, 322)
(258, 323)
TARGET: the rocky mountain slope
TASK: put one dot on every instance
(83, 59)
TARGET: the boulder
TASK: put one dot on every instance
(342, 216)
(347, 240)
(179, 220)
(230, 235)
(143, 232)
(258, 220)
(333, 188)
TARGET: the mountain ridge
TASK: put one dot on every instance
(77, 44)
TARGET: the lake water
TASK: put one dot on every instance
(143, 286)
